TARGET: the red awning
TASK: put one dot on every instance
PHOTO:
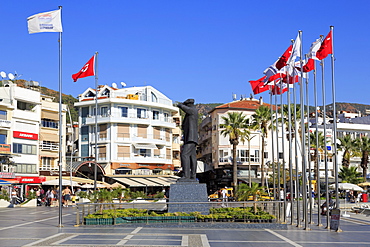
(30, 180)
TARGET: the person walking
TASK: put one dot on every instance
(67, 196)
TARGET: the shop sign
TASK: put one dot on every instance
(5, 149)
(7, 175)
(25, 135)
(31, 180)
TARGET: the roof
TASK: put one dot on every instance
(245, 104)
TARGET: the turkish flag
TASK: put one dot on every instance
(259, 86)
(326, 47)
(87, 70)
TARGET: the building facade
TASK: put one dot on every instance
(134, 134)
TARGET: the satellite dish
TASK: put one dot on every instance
(11, 76)
(123, 84)
(114, 85)
(35, 83)
(2, 74)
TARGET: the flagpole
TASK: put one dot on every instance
(277, 146)
(283, 151)
(308, 150)
(290, 155)
(272, 147)
(96, 120)
(60, 129)
(303, 152)
(325, 149)
(317, 170)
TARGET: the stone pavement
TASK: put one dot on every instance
(38, 227)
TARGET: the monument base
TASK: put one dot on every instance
(188, 191)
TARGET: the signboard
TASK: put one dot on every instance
(334, 219)
(25, 135)
(5, 149)
(7, 175)
(328, 148)
(31, 180)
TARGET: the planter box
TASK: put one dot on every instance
(31, 203)
(99, 221)
(142, 219)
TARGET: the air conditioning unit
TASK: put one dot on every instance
(4, 168)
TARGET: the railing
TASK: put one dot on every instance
(274, 208)
(49, 146)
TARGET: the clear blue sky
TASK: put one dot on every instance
(204, 50)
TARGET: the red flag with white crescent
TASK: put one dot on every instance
(87, 70)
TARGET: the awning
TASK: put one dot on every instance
(49, 137)
(8, 181)
(162, 182)
(129, 182)
(50, 115)
(145, 181)
(144, 145)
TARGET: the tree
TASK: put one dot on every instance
(321, 145)
(261, 120)
(350, 175)
(347, 145)
(236, 127)
(244, 192)
(363, 144)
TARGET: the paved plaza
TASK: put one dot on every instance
(39, 227)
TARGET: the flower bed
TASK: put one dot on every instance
(124, 216)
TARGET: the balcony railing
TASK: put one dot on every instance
(49, 146)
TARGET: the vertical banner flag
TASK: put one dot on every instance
(87, 70)
(45, 22)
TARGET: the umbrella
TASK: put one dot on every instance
(90, 186)
(347, 186)
(65, 182)
(364, 184)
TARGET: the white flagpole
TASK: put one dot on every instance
(290, 155)
(96, 119)
(60, 129)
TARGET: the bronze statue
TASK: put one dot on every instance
(190, 139)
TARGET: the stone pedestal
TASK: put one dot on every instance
(188, 192)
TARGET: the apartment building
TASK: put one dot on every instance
(135, 130)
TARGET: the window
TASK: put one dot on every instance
(104, 111)
(155, 115)
(25, 168)
(3, 115)
(124, 111)
(280, 155)
(2, 139)
(243, 155)
(25, 106)
(165, 116)
(45, 164)
(85, 133)
(19, 148)
(49, 124)
(141, 113)
(85, 150)
(154, 98)
(224, 155)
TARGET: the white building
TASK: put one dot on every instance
(134, 134)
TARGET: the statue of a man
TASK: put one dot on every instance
(190, 139)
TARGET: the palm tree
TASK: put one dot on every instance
(236, 127)
(363, 144)
(245, 191)
(350, 175)
(347, 145)
(261, 120)
(321, 145)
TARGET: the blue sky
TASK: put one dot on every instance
(206, 50)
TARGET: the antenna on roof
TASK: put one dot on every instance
(234, 96)
(114, 85)
(123, 84)
(3, 74)
(11, 76)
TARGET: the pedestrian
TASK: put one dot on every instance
(14, 197)
(49, 198)
(224, 196)
(73, 199)
(67, 196)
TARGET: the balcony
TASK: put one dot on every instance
(131, 118)
(49, 146)
(5, 123)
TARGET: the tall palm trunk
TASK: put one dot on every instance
(365, 157)
(262, 162)
(235, 167)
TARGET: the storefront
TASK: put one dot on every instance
(24, 184)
